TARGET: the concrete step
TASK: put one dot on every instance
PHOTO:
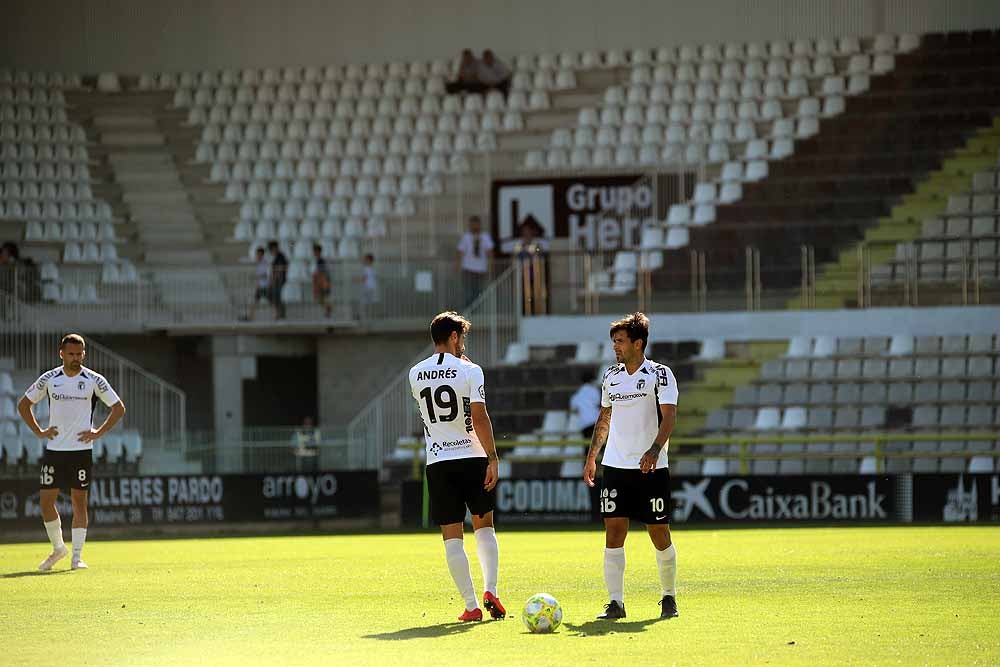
(158, 239)
(140, 162)
(524, 141)
(574, 100)
(165, 198)
(131, 138)
(550, 119)
(179, 256)
(121, 122)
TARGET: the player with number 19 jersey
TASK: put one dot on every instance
(445, 387)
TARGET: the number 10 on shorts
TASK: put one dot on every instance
(656, 504)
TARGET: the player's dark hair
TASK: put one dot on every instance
(447, 322)
(74, 339)
(635, 326)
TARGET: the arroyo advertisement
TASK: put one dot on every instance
(179, 499)
(593, 212)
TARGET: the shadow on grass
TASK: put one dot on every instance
(425, 631)
(600, 628)
(32, 573)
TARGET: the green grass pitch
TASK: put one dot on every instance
(793, 596)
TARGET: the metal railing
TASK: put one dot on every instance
(271, 450)
(741, 449)
(496, 320)
(155, 408)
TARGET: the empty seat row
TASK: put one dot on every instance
(13, 170)
(332, 228)
(34, 96)
(69, 231)
(397, 128)
(682, 113)
(338, 208)
(42, 133)
(71, 293)
(921, 367)
(32, 80)
(902, 345)
(98, 211)
(43, 152)
(89, 253)
(693, 154)
(960, 227)
(795, 418)
(848, 393)
(32, 115)
(26, 191)
(732, 91)
(968, 203)
(386, 186)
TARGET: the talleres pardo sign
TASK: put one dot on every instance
(152, 500)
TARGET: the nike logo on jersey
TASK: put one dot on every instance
(661, 518)
(615, 384)
(84, 486)
(58, 385)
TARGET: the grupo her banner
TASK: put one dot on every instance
(849, 498)
(180, 499)
(593, 212)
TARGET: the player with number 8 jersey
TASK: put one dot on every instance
(73, 391)
(462, 464)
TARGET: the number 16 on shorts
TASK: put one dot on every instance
(608, 504)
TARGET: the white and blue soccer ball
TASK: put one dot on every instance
(542, 613)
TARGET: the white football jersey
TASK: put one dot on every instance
(71, 404)
(445, 387)
(635, 402)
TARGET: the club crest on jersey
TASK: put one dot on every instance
(80, 385)
(640, 384)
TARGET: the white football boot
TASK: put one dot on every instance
(57, 555)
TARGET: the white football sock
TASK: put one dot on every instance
(79, 537)
(489, 557)
(54, 529)
(458, 565)
(614, 573)
(666, 561)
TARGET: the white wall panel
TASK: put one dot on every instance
(143, 36)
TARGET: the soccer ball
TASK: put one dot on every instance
(542, 613)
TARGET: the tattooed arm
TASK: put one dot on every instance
(597, 441)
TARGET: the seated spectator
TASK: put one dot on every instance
(467, 77)
(494, 74)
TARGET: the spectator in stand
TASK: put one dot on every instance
(369, 286)
(279, 273)
(494, 74)
(530, 249)
(305, 446)
(475, 252)
(321, 280)
(262, 281)
(585, 404)
(467, 77)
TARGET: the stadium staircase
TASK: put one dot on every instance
(837, 186)
(141, 154)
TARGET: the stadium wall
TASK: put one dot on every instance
(126, 36)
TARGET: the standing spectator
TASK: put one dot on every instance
(586, 404)
(494, 74)
(321, 280)
(530, 250)
(262, 281)
(475, 252)
(306, 446)
(467, 77)
(369, 286)
(279, 273)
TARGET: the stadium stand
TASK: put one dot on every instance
(854, 385)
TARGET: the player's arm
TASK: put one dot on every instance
(24, 409)
(482, 424)
(104, 391)
(669, 417)
(600, 438)
(36, 392)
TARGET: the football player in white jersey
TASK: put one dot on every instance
(462, 464)
(72, 390)
(638, 411)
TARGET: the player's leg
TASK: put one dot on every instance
(481, 504)
(80, 520)
(47, 496)
(615, 511)
(656, 515)
(448, 511)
